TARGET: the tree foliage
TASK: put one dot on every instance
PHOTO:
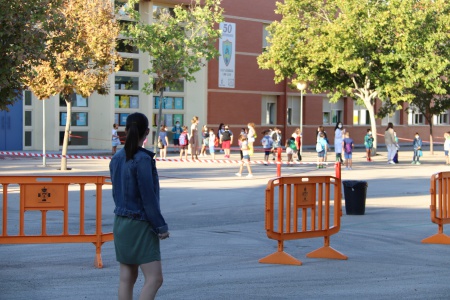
(362, 49)
(24, 42)
(179, 44)
(85, 59)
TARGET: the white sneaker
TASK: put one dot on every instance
(391, 162)
(238, 174)
(249, 176)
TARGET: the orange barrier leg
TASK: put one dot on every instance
(438, 238)
(98, 262)
(326, 252)
(280, 257)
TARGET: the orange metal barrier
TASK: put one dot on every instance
(440, 207)
(299, 208)
(51, 193)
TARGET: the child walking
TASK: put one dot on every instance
(368, 143)
(417, 146)
(212, 140)
(245, 157)
(347, 145)
(321, 149)
(291, 148)
(183, 141)
(447, 147)
(267, 144)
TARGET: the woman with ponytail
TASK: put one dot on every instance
(138, 222)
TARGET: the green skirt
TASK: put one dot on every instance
(135, 241)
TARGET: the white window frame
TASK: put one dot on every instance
(269, 110)
(332, 111)
(441, 119)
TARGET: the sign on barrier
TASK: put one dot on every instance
(51, 193)
(440, 207)
(299, 208)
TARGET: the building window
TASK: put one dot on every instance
(124, 47)
(393, 118)
(271, 113)
(76, 138)
(169, 103)
(415, 117)
(28, 115)
(78, 119)
(336, 116)
(126, 83)
(169, 120)
(360, 116)
(121, 5)
(159, 10)
(293, 110)
(28, 98)
(265, 34)
(126, 101)
(441, 119)
(77, 101)
(418, 118)
(130, 65)
(28, 139)
(177, 88)
(269, 110)
(332, 112)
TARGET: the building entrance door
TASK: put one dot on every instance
(11, 127)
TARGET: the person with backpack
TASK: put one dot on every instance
(183, 141)
(276, 137)
(291, 148)
(205, 141)
(226, 139)
(267, 144)
(347, 145)
(368, 144)
(321, 149)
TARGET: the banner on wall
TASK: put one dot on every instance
(227, 51)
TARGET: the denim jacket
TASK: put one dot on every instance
(417, 143)
(135, 187)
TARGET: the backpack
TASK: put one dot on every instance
(319, 147)
(348, 147)
(216, 142)
(267, 142)
(183, 139)
(292, 145)
(226, 136)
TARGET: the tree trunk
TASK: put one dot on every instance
(431, 139)
(373, 124)
(68, 100)
(161, 103)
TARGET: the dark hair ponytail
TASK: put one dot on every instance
(136, 128)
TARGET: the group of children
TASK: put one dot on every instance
(291, 147)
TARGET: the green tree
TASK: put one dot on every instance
(24, 42)
(179, 43)
(363, 49)
(87, 58)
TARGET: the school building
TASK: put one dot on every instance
(231, 90)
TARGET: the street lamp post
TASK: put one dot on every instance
(301, 85)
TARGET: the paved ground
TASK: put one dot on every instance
(217, 237)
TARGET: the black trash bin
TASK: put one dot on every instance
(355, 196)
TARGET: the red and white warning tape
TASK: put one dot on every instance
(207, 161)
